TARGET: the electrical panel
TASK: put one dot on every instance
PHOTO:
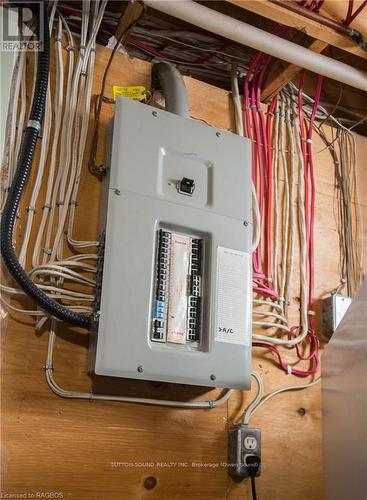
(174, 270)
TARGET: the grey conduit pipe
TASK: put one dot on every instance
(174, 89)
(243, 33)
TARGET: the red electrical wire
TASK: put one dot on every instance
(212, 54)
(315, 361)
(314, 343)
(309, 178)
(259, 130)
(348, 21)
(349, 13)
(269, 218)
(151, 50)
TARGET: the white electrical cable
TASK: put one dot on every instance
(46, 131)
(59, 271)
(58, 106)
(18, 310)
(66, 124)
(275, 207)
(256, 231)
(269, 324)
(70, 160)
(282, 272)
(258, 402)
(60, 293)
(291, 180)
(39, 312)
(286, 205)
(268, 303)
(301, 225)
(259, 312)
(49, 368)
(13, 139)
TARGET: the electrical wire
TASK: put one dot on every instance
(253, 487)
(260, 399)
(21, 176)
(256, 233)
(121, 40)
(54, 275)
(90, 396)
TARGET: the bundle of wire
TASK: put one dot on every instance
(286, 126)
(272, 286)
(53, 266)
(197, 54)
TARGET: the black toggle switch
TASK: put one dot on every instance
(186, 186)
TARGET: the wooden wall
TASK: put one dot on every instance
(56, 445)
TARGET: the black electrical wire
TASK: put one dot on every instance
(252, 463)
(19, 182)
(253, 488)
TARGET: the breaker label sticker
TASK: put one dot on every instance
(233, 297)
(177, 293)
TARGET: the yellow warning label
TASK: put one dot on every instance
(136, 93)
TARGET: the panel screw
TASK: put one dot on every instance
(245, 223)
(302, 412)
(140, 369)
(154, 113)
(212, 377)
(218, 134)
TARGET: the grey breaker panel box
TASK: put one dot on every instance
(174, 298)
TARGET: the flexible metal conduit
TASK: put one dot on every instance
(243, 33)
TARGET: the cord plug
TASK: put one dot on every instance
(252, 464)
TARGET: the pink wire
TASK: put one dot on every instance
(356, 13)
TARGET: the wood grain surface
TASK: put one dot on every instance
(109, 451)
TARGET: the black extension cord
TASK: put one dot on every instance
(19, 182)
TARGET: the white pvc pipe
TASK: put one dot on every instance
(238, 31)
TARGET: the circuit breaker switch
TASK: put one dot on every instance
(186, 186)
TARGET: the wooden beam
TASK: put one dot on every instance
(312, 28)
(130, 15)
(281, 73)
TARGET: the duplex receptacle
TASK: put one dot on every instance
(243, 442)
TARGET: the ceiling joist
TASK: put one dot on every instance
(310, 27)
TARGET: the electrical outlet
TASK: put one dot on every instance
(244, 443)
